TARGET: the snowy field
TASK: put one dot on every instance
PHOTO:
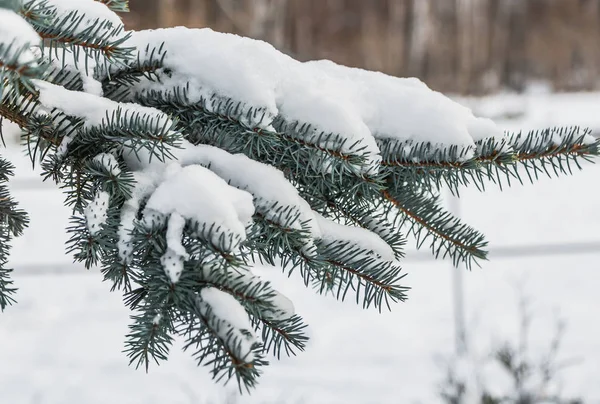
(62, 343)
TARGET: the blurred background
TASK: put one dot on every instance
(527, 64)
(459, 46)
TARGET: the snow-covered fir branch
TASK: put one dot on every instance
(189, 156)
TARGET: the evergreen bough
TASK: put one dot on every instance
(179, 183)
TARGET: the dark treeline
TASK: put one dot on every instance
(466, 46)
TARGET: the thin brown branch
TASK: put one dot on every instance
(19, 70)
(578, 150)
(12, 116)
(397, 204)
(487, 159)
(424, 164)
(360, 275)
(274, 224)
(107, 50)
(442, 165)
(132, 71)
(278, 330)
(333, 153)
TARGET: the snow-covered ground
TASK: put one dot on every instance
(62, 343)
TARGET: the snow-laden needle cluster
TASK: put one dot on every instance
(188, 156)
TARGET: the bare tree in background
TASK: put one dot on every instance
(467, 46)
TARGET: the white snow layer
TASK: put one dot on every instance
(79, 63)
(90, 11)
(145, 184)
(176, 254)
(93, 109)
(334, 232)
(358, 105)
(17, 33)
(406, 109)
(266, 183)
(156, 319)
(283, 307)
(96, 212)
(234, 321)
(109, 162)
(200, 195)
